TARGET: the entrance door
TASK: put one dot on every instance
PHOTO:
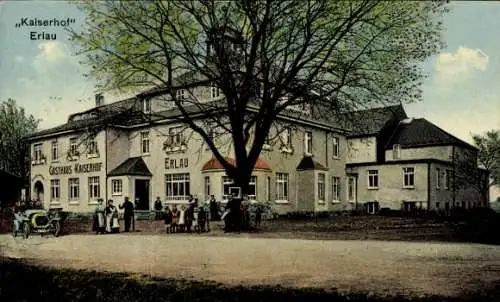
(351, 189)
(142, 193)
(38, 188)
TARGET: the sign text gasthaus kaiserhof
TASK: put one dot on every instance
(34, 23)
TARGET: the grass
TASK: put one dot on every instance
(20, 281)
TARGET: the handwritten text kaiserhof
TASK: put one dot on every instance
(44, 23)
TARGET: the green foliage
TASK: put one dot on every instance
(489, 153)
(15, 126)
(266, 208)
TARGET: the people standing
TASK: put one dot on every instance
(214, 211)
(128, 213)
(189, 217)
(182, 218)
(158, 208)
(110, 210)
(175, 219)
(167, 217)
(100, 218)
(115, 225)
(202, 219)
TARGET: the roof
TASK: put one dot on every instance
(307, 163)
(371, 121)
(124, 116)
(214, 164)
(420, 132)
(131, 166)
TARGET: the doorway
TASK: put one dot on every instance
(142, 193)
(38, 190)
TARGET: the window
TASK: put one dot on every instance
(55, 150)
(438, 178)
(226, 183)
(408, 177)
(282, 186)
(215, 91)
(335, 147)
(396, 151)
(116, 187)
(73, 146)
(55, 190)
(321, 187)
(181, 94)
(447, 175)
(252, 188)
(145, 142)
(372, 179)
(335, 189)
(268, 188)
(437, 205)
(286, 137)
(74, 188)
(37, 152)
(175, 136)
(207, 187)
(94, 188)
(308, 143)
(146, 105)
(351, 189)
(92, 147)
(177, 186)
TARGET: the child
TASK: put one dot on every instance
(167, 216)
(182, 218)
(175, 219)
(202, 219)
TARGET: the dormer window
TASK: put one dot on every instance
(181, 94)
(215, 91)
(73, 146)
(146, 105)
(92, 148)
(396, 151)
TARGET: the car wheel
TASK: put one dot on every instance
(56, 228)
(26, 230)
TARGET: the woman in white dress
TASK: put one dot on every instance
(182, 218)
(112, 225)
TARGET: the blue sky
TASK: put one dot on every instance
(462, 95)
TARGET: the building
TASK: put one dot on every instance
(136, 148)
(409, 163)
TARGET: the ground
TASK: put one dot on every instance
(380, 267)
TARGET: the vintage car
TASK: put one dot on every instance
(37, 221)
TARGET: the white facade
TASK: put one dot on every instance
(175, 156)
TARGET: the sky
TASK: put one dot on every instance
(461, 95)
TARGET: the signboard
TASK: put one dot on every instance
(235, 192)
(172, 163)
(77, 169)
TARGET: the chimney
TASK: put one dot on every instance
(99, 100)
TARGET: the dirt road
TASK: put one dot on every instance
(371, 266)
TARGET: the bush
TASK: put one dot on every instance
(267, 209)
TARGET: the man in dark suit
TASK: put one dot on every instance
(128, 213)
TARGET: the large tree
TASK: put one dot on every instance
(484, 173)
(15, 126)
(265, 56)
